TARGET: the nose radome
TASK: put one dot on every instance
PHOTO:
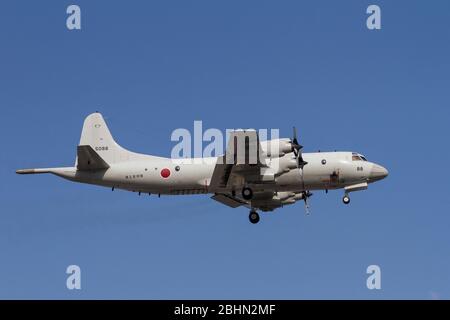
(378, 172)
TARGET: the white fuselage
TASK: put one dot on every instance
(261, 175)
(325, 170)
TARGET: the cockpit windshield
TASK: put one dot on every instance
(358, 157)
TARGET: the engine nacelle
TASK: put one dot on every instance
(299, 196)
(283, 164)
(276, 147)
(279, 199)
(288, 201)
(284, 195)
(292, 198)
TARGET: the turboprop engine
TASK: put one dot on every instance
(283, 164)
(277, 147)
(282, 198)
(289, 197)
(278, 199)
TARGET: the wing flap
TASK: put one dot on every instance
(228, 200)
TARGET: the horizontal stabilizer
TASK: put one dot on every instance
(88, 159)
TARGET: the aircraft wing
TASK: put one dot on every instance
(229, 200)
(242, 163)
(264, 200)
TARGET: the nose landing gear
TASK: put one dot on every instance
(346, 199)
(253, 216)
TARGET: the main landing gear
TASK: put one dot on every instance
(247, 193)
(346, 199)
(253, 216)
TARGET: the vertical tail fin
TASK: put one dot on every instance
(97, 135)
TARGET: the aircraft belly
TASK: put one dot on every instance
(319, 177)
(290, 181)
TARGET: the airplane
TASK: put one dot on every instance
(265, 176)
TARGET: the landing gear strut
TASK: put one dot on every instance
(346, 199)
(247, 193)
(253, 217)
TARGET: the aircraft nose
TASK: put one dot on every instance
(378, 172)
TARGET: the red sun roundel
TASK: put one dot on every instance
(165, 173)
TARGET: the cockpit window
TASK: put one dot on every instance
(358, 157)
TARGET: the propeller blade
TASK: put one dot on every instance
(296, 148)
(302, 163)
(306, 195)
(295, 144)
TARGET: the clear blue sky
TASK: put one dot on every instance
(153, 66)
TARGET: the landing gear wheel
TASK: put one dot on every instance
(247, 193)
(346, 199)
(253, 217)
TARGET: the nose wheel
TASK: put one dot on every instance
(253, 217)
(346, 199)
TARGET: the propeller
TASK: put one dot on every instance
(297, 149)
(306, 195)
